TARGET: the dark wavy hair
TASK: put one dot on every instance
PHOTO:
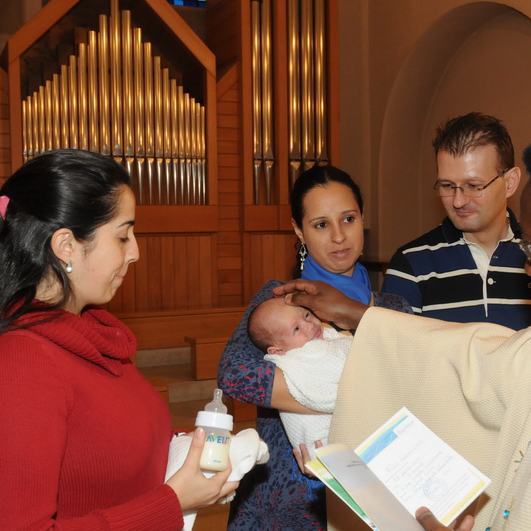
(66, 188)
(317, 176)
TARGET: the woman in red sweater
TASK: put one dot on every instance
(84, 438)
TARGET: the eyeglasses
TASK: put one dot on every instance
(445, 189)
(526, 248)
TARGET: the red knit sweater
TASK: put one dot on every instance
(83, 437)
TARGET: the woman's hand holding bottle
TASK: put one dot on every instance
(193, 489)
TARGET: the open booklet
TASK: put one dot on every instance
(402, 466)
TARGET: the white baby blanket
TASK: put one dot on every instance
(246, 450)
(312, 374)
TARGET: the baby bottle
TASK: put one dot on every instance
(217, 426)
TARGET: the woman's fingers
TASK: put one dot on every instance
(193, 489)
(430, 523)
(302, 456)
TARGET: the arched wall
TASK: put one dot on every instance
(475, 57)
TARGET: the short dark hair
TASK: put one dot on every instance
(66, 188)
(261, 337)
(465, 133)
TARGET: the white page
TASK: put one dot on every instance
(420, 469)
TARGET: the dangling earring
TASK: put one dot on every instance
(68, 267)
(303, 253)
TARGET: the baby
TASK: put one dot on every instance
(311, 356)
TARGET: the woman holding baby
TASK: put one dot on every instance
(327, 216)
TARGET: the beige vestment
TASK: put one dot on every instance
(469, 383)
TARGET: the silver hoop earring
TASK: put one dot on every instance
(68, 267)
(303, 253)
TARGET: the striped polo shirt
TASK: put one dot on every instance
(438, 276)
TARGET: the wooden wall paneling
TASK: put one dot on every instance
(232, 95)
(333, 82)
(211, 140)
(213, 273)
(193, 279)
(230, 160)
(142, 276)
(229, 249)
(290, 255)
(179, 219)
(229, 134)
(166, 329)
(269, 256)
(167, 269)
(154, 265)
(280, 100)
(257, 262)
(180, 272)
(279, 271)
(207, 267)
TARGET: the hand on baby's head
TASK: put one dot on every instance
(275, 327)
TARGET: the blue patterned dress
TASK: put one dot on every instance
(275, 496)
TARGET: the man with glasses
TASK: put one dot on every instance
(471, 267)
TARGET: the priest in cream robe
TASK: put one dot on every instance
(469, 383)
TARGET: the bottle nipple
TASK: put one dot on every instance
(217, 405)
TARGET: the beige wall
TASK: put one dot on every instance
(407, 66)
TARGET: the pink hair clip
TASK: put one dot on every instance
(4, 201)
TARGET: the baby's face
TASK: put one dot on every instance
(293, 327)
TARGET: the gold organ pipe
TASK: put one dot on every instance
(42, 122)
(73, 103)
(193, 149)
(25, 130)
(174, 117)
(82, 87)
(48, 113)
(159, 141)
(198, 152)
(35, 120)
(114, 97)
(65, 130)
(307, 71)
(56, 110)
(138, 62)
(257, 111)
(127, 82)
(92, 63)
(166, 113)
(150, 141)
(182, 142)
(187, 146)
(267, 103)
(29, 127)
(104, 92)
(116, 84)
(203, 154)
(320, 82)
(294, 91)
